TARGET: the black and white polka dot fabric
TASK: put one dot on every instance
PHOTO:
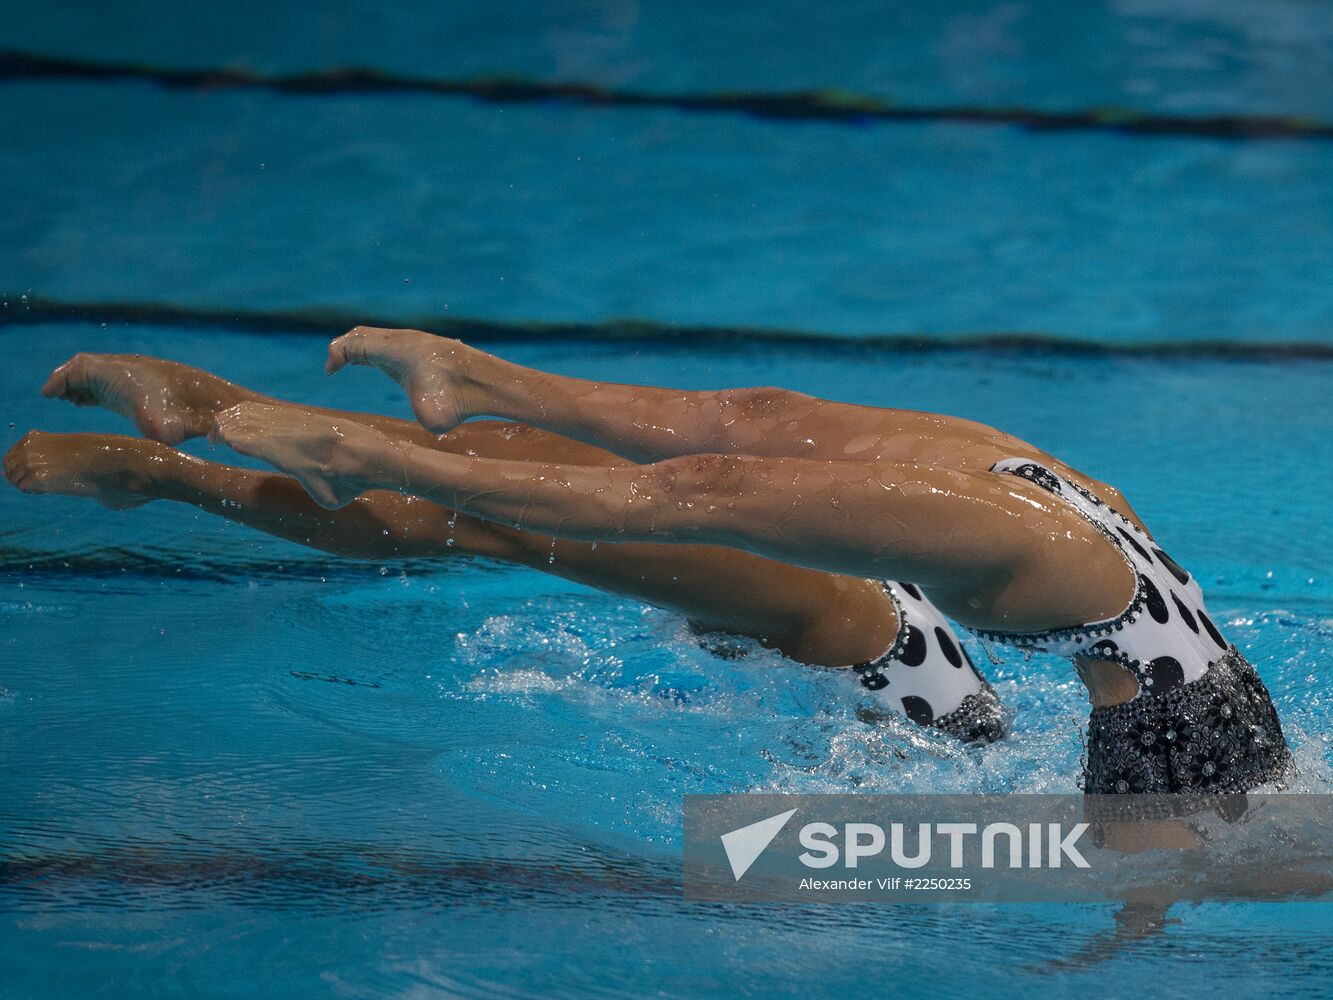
(927, 676)
(1164, 637)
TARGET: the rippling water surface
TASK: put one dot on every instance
(233, 766)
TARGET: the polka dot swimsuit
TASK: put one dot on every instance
(1201, 722)
(1164, 637)
(927, 676)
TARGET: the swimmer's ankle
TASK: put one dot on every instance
(500, 388)
(223, 395)
(168, 474)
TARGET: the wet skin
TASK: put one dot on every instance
(750, 479)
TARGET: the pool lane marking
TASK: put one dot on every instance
(829, 105)
(27, 310)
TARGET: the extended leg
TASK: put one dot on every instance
(447, 382)
(172, 402)
(806, 614)
(814, 617)
(995, 552)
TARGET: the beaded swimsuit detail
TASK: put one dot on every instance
(1202, 720)
(1164, 637)
(927, 676)
(1219, 734)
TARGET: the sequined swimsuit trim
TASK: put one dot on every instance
(1202, 720)
(899, 644)
(1078, 633)
(1161, 638)
(976, 716)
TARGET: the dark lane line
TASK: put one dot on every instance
(148, 565)
(294, 873)
(22, 311)
(837, 106)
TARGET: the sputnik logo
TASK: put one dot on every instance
(743, 846)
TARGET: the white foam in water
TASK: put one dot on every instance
(801, 723)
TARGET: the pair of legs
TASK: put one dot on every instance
(812, 616)
(894, 493)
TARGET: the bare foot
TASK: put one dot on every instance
(437, 373)
(115, 471)
(323, 453)
(168, 401)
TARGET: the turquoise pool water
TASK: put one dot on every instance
(490, 800)
(233, 767)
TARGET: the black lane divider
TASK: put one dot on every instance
(20, 311)
(291, 873)
(819, 105)
(131, 565)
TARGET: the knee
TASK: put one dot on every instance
(695, 477)
(760, 402)
(684, 498)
